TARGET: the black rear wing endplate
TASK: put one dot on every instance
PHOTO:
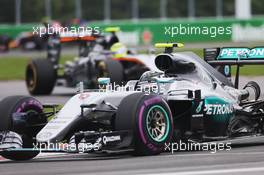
(211, 55)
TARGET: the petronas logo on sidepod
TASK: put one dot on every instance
(199, 107)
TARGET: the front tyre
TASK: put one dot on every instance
(40, 77)
(21, 104)
(150, 119)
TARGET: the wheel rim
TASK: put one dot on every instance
(31, 78)
(157, 123)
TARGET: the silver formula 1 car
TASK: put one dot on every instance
(186, 100)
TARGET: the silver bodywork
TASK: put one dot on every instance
(171, 88)
(59, 125)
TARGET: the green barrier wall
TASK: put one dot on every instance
(228, 30)
(152, 31)
(13, 30)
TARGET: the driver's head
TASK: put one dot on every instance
(119, 49)
(181, 67)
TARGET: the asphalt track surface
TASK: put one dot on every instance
(239, 160)
(62, 94)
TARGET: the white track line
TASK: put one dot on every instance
(217, 171)
(213, 154)
(42, 155)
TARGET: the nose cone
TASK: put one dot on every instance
(44, 136)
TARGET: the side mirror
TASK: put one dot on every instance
(214, 85)
(104, 84)
(103, 81)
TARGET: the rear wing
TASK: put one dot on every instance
(234, 56)
(223, 58)
(85, 43)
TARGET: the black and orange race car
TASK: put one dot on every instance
(29, 41)
(99, 56)
(4, 42)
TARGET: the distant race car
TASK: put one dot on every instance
(29, 41)
(4, 42)
(99, 56)
(186, 100)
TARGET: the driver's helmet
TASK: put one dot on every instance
(119, 49)
(148, 75)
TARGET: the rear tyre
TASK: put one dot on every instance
(255, 87)
(40, 77)
(150, 119)
(115, 71)
(17, 104)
